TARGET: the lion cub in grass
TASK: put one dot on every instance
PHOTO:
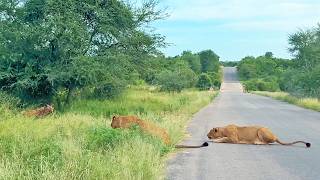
(148, 127)
(246, 135)
(39, 112)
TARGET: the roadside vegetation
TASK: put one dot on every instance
(309, 103)
(300, 76)
(80, 144)
(92, 60)
(229, 63)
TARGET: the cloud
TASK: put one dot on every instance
(247, 15)
(245, 9)
(236, 28)
(285, 25)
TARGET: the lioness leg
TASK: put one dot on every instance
(266, 136)
(225, 140)
(259, 143)
(221, 140)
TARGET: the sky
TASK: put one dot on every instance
(234, 29)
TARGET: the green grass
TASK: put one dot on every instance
(309, 103)
(79, 143)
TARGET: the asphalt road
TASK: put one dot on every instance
(235, 161)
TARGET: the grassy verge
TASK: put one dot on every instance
(309, 103)
(79, 144)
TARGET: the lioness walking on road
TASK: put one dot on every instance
(246, 135)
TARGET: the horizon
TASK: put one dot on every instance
(235, 29)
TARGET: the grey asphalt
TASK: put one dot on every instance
(235, 161)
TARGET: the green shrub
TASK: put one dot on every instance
(302, 83)
(107, 90)
(204, 81)
(8, 104)
(176, 80)
(105, 138)
(216, 78)
(229, 63)
(9, 100)
(261, 85)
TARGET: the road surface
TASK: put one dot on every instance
(235, 161)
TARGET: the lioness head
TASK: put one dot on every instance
(116, 122)
(215, 133)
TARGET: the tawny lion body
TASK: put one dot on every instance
(148, 127)
(128, 121)
(39, 112)
(246, 135)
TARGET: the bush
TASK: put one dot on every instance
(302, 83)
(176, 80)
(229, 63)
(216, 78)
(108, 89)
(204, 81)
(104, 138)
(247, 71)
(8, 105)
(261, 85)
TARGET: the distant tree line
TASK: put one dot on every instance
(187, 70)
(229, 63)
(299, 76)
(55, 50)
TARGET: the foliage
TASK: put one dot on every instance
(8, 105)
(229, 63)
(300, 76)
(309, 103)
(209, 61)
(180, 77)
(302, 83)
(268, 55)
(305, 75)
(48, 46)
(80, 144)
(193, 61)
(261, 85)
(204, 81)
(149, 67)
(262, 73)
(305, 46)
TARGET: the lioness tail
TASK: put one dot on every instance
(186, 146)
(306, 143)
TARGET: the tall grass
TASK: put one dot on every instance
(309, 103)
(79, 143)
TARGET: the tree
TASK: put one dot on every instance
(209, 61)
(177, 77)
(193, 61)
(204, 81)
(269, 55)
(48, 46)
(305, 46)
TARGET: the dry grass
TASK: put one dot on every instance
(309, 103)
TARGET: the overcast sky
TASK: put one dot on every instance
(235, 28)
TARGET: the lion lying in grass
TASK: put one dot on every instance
(148, 127)
(246, 135)
(39, 112)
